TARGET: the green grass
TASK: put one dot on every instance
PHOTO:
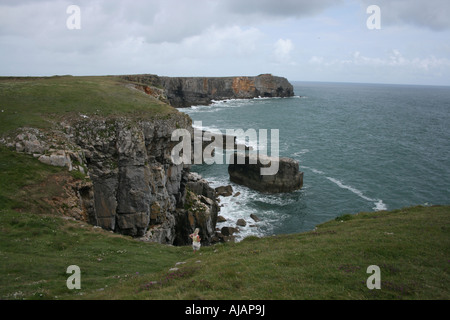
(411, 246)
(39, 102)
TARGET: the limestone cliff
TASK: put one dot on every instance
(131, 185)
(187, 91)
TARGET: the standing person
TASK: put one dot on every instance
(195, 240)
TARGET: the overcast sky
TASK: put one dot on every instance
(302, 40)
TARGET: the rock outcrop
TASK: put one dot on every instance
(138, 190)
(246, 170)
(132, 187)
(184, 92)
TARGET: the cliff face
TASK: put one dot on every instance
(131, 185)
(184, 92)
(138, 190)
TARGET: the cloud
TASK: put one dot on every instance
(284, 8)
(393, 61)
(157, 21)
(282, 50)
(431, 14)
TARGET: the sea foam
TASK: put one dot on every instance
(379, 205)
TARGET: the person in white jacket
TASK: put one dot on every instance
(195, 240)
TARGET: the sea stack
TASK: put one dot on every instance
(245, 169)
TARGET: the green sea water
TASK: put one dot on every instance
(362, 147)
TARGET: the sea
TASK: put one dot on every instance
(361, 147)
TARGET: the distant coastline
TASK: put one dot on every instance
(182, 92)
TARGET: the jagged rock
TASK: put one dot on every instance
(31, 141)
(241, 223)
(228, 231)
(246, 170)
(221, 219)
(255, 217)
(201, 187)
(58, 159)
(224, 191)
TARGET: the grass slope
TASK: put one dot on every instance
(411, 246)
(38, 102)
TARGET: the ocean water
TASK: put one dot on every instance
(362, 147)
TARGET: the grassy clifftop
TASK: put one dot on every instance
(411, 246)
(39, 102)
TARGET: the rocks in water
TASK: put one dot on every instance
(247, 170)
(224, 191)
(220, 219)
(228, 231)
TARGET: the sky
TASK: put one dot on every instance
(405, 42)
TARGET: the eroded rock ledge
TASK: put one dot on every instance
(182, 92)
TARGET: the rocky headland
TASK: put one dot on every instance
(182, 92)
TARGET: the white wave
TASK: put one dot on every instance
(299, 153)
(379, 205)
(312, 169)
(354, 190)
(249, 143)
(234, 208)
(213, 129)
(230, 103)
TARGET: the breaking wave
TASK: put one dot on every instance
(379, 205)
